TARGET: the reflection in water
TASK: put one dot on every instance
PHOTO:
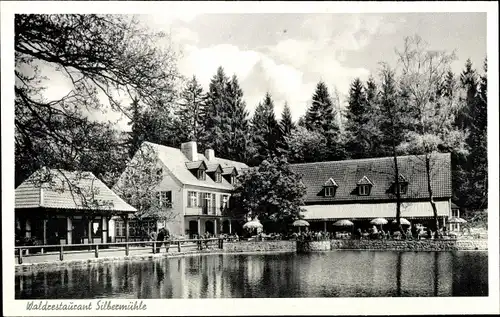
(326, 274)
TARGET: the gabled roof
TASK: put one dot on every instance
(229, 170)
(330, 182)
(212, 168)
(196, 165)
(380, 172)
(365, 181)
(61, 189)
(175, 161)
(402, 178)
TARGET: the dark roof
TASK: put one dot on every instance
(380, 172)
(60, 189)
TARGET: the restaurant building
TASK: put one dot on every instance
(198, 186)
(364, 189)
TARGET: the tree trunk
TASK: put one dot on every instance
(430, 191)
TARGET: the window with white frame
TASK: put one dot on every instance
(329, 191)
(218, 177)
(208, 199)
(364, 190)
(192, 199)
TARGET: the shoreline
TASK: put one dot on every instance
(263, 247)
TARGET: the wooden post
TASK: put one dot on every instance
(179, 246)
(44, 232)
(154, 247)
(96, 250)
(126, 248)
(61, 253)
(89, 230)
(126, 228)
(20, 256)
(69, 230)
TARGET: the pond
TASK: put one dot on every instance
(322, 274)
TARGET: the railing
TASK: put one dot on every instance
(205, 210)
(116, 246)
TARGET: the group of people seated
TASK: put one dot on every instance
(411, 233)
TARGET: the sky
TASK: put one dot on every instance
(288, 54)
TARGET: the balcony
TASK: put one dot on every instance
(205, 210)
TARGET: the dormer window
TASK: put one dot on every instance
(201, 175)
(403, 185)
(403, 188)
(364, 186)
(233, 179)
(330, 187)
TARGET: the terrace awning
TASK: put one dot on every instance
(374, 210)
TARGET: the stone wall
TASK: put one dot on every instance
(310, 246)
(251, 246)
(404, 245)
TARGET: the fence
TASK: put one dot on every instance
(157, 246)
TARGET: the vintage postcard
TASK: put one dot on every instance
(227, 158)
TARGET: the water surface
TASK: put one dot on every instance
(323, 274)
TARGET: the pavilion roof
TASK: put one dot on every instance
(61, 189)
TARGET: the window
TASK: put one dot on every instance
(208, 199)
(224, 202)
(192, 199)
(201, 175)
(119, 228)
(233, 179)
(218, 177)
(329, 191)
(454, 213)
(364, 190)
(403, 187)
(165, 198)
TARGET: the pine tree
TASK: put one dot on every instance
(370, 129)
(235, 125)
(321, 115)
(357, 145)
(286, 123)
(215, 106)
(191, 112)
(265, 130)
(468, 82)
(286, 126)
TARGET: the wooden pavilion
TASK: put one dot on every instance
(56, 206)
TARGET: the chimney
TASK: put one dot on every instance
(190, 150)
(210, 154)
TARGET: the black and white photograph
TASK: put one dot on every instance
(163, 151)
